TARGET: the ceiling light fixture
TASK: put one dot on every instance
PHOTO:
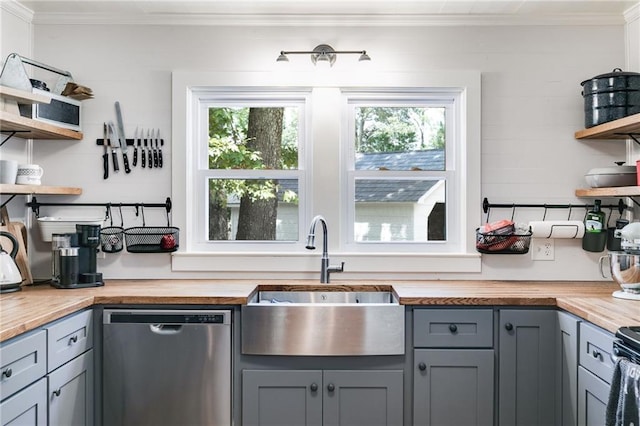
(323, 54)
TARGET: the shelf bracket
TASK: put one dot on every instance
(8, 201)
(630, 135)
(12, 134)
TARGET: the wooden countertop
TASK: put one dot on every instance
(37, 305)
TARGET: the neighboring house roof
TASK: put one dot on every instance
(429, 159)
(392, 191)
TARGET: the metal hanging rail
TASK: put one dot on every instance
(35, 205)
(487, 206)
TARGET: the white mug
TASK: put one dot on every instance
(29, 174)
(8, 171)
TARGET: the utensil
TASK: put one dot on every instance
(159, 149)
(113, 136)
(10, 278)
(155, 152)
(121, 138)
(143, 151)
(135, 149)
(105, 155)
(149, 155)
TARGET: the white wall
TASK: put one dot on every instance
(531, 107)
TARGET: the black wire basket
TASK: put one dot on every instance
(152, 239)
(112, 239)
(513, 243)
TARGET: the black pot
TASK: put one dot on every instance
(616, 80)
(610, 96)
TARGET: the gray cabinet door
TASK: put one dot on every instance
(527, 367)
(27, 407)
(71, 392)
(593, 395)
(282, 397)
(567, 365)
(363, 397)
(453, 387)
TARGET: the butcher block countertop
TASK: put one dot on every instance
(37, 305)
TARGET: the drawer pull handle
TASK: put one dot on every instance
(453, 328)
(313, 387)
(73, 340)
(57, 392)
(597, 354)
(7, 373)
(331, 387)
(422, 366)
(508, 326)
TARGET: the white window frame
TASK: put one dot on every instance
(245, 263)
(418, 97)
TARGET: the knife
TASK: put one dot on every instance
(155, 153)
(159, 149)
(105, 156)
(135, 148)
(149, 155)
(113, 136)
(122, 138)
(143, 151)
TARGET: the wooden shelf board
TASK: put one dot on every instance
(620, 191)
(616, 129)
(33, 129)
(38, 189)
(22, 96)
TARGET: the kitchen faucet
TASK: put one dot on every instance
(325, 269)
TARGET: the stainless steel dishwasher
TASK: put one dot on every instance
(166, 367)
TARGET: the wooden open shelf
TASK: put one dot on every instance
(616, 129)
(32, 129)
(620, 191)
(22, 96)
(38, 189)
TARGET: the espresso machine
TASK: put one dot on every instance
(74, 258)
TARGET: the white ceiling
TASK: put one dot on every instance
(331, 11)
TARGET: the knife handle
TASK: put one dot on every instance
(150, 157)
(105, 165)
(135, 156)
(160, 158)
(114, 156)
(143, 158)
(155, 158)
(126, 163)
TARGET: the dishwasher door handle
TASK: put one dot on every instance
(165, 329)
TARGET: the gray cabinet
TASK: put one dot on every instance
(594, 374)
(527, 367)
(454, 369)
(322, 397)
(27, 407)
(71, 392)
(567, 369)
(453, 387)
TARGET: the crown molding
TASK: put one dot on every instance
(632, 14)
(16, 9)
(324, 20)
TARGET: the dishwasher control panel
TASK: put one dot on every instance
(114, 316)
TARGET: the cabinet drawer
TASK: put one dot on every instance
(22, 362)
(596, 346)
(453, 328)
(69, 337)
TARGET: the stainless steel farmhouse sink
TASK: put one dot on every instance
(323, 323)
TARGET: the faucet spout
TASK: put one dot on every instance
(325, 268)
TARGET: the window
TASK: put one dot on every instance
(395, 171)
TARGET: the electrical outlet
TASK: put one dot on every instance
(542, 249)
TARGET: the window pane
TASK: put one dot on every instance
(400, 138)
(253, 209)
(253, 138)
(405, 210)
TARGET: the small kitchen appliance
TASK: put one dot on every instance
(77, 265)
(10, 278)
(625, 265)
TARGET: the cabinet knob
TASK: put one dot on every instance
(331, 387)
(73, 340)
(56, 392)
(453, 328)
(508, 326)
(596, 354)
(313, 387)
(7, 373)
(422, 366)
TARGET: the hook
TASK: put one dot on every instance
(137, 211)
(121, 217)
(513, 212)
(488, 210)
(544, 215)
(610, 214)
(569, 217)
(108, 214)
(142, 211)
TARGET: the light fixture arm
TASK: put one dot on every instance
(322, 53)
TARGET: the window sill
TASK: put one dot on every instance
(303, 264)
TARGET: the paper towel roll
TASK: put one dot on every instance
(557, 229)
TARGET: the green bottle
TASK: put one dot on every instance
(595, 234)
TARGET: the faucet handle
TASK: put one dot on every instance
(336, 268)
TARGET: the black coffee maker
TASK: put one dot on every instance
(76, 265)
